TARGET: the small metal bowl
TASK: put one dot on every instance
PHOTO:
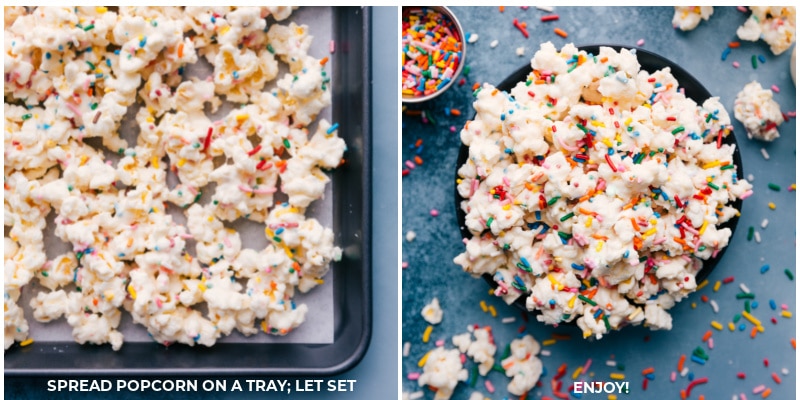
(447, 14)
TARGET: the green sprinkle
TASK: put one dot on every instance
(678, 130)
(564, 235)
(713, 186)
(489, 222)
(774, 187)
(26, 117)
(270, 49)
(553, 200)
(789, 274)
(729, 166)
(754, 60)
(568, 216)
(473, 376)
(587, 300)
(498, 368)
(91, 66)
(750, 233)
(197, 198)
(93, 106)
(286, 143)
(747, 305)
(620, 367)
(605, 321)
(466, 70)
(45, 274)
(743, 295)
(736, 318)
(277, 239)
(88, 28)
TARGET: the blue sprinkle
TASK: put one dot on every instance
(742, 326)
(552, 302)
(764, 268)
(525, 262)
(538, 215)
(577, 266)
(502, 117)
(419, 149)
(235, 74)
(279, 231)
(762, 58)
(651, 376)
(108, 62)
(447, 111)
(627, 253)
(622, 78)
(443, 84)
(725, 53)
(754, 304)
(772, 304)
(333, 128)
(47, 55)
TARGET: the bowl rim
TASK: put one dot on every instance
(693, 89)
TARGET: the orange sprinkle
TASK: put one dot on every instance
(453, 111)
(599, 236)
(793, 344)
(648, 371)
(560, 32)
(604, 59)
(418, 160)
(180, 50)
(754, 332)
(502, 8)
(707, 335)
(586, 212)
(766, 393)
(733, 45)
(635, 225)
(323, 61)
(681, 361)
(475, 86)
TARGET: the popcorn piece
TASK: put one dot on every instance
(522, 365)
(432, 312)
(758, 112)
(443, 370)
(687, 18)
(775, 25)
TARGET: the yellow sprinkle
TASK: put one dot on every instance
(83, 159)
(717, 284)
(599, 246)
(224, 29)
(694, 305)
(101, 10)
(598, 124)
(786, 314)
(628, 121)
(751, 318)
(647, 105)
(589, 221)
(702, 284)
(716, 325)
(634, 314)
(427, 335)
(507, 207)
(571, 301)
(242, 117)
(108, 295)
(711, 164)
(649, 232)
(319, 281)
(264, 326)
(731, 326)
(150, 119)
(771, 205)
(492, 311)
(586, 334)
(617, 376)
(202, 287)
(424, 359)
(154, 162)
(612, 397)
(607, 142)
(132, 291)
(549, 342)
(703, 227)
(181, 162)
(577, 373)
(483, 306)
(760, 328)
(26, 342)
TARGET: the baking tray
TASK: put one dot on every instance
(650, 62)
(352, 291)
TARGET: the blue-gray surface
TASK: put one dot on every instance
(376, 374)
(431, 272)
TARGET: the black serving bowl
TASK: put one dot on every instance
(650, 62)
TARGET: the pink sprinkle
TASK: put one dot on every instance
(74, 109)
(440, 343)
(673, 376)
(332, 47)
(434, 212)
(462, 356)
(268, 190)
(784, 306)
(776, 89)
(489, 386)
(405, 264)
(410, 164)
(742, 8)
(245, 189)
(711, 343)
(158, 302)
(742, 396)
(227, 242)
(412, 376)
(758, 389)
(735, 64)
(452, 128)
(640, 42)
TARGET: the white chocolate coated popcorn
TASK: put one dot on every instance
(687, 18)
(758, 112)
(522, 365)
(443, 370)
(432, 312)
(774, 24)
(73, 74)
(595, 189)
